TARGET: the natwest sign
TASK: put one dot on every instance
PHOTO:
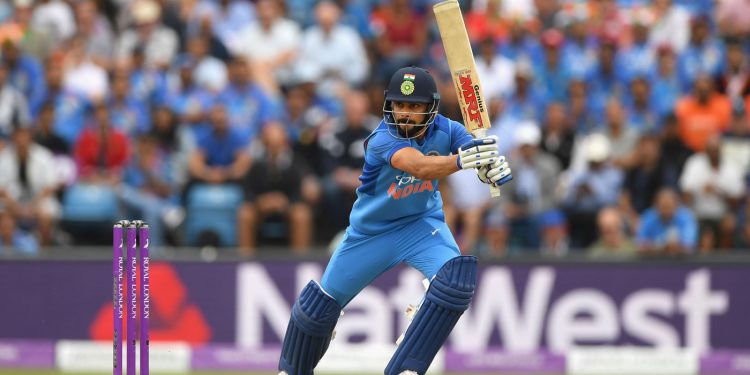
(526, 308)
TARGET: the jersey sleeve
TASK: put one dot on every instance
(381, 147)
(459, 135)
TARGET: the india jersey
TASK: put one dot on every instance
(390, 198)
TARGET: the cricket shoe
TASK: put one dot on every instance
(408, 372)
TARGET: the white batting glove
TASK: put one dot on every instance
(477, 153)
(498, 173)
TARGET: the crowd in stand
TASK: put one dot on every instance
(625, 121)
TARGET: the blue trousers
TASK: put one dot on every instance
(425, 244)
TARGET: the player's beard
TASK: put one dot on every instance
(408, 128)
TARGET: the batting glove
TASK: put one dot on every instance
(498, 173)
(477, 153)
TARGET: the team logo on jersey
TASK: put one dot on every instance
(406, 185)
(407, 87)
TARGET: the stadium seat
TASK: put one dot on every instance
(87, 202)
(212, 209)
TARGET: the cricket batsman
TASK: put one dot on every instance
(397, 218)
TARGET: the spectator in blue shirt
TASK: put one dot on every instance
(70, 109)
(665, 82)
(638, 58)
(668, 227)
(14, 240)
(248, 106)
(127, 113)
(551, 73)
(26, 74)
(191, 102)
(527, 102)
(148, 84)
(606, 78)
(520, 45)
(640, 106)
(704, 54)
(221, 155)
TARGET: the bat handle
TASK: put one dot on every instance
(494, 190)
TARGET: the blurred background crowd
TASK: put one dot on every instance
(240, 123)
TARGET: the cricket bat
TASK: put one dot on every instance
(463, 69)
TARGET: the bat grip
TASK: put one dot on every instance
(494, 190)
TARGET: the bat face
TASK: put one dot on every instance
(470, 96)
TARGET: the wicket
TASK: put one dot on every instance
(135, 231)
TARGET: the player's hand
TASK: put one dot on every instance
(477, 153)
(498, 173)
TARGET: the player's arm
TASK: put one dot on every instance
(473, 154)
(419, 165)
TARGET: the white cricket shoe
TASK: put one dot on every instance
(283, 373)
(408, 372)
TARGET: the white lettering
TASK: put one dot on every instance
(258, 298)
(698, 303)
(566, 326)
(496, 302)
(638, 320)
(368, 319)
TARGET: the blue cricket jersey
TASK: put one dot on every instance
(390, 198)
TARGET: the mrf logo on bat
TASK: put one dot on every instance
(469, 94)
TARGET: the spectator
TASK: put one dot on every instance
(173, 142)
(735, 142)
(703, 56)
(674, 151)
(590, 189)
(579, 49)
(44, 132)
(96, 31)
(28, 184)
(147, 84)
(585, 111)
(487, 24)
(643, 179)
(671, 25)
(248, 106)
(208, 71)
(333, 53)
(703, 114)
(732, 18)
(150, 190)
(34, 41)
(520, 44)
(128, 114)
(13, 105)
(734, 81)
(343, 158)
(227, 18)
(81, 75)
(102, 151)
(551, 74)
(637, 58)
(527, 102)
(70, 108)
(525, 207)
(189, 101)
(400, 37)
(23, 72)
(558, 138)
(56, 17)
(159, 42)
(221, 155)
(621, 136)
(667, 227)
(640, 106)
(274, 190)
(665, 82)
(495, 71)
(14, 239)
(613, 240)
(271, 45)
(713, 187)
(606, 79)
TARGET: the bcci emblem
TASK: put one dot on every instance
(407, 87)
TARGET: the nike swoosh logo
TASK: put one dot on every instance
(435, 231)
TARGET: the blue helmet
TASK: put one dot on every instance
(411, 85)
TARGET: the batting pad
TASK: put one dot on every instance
(449, 296)
(309, 332)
